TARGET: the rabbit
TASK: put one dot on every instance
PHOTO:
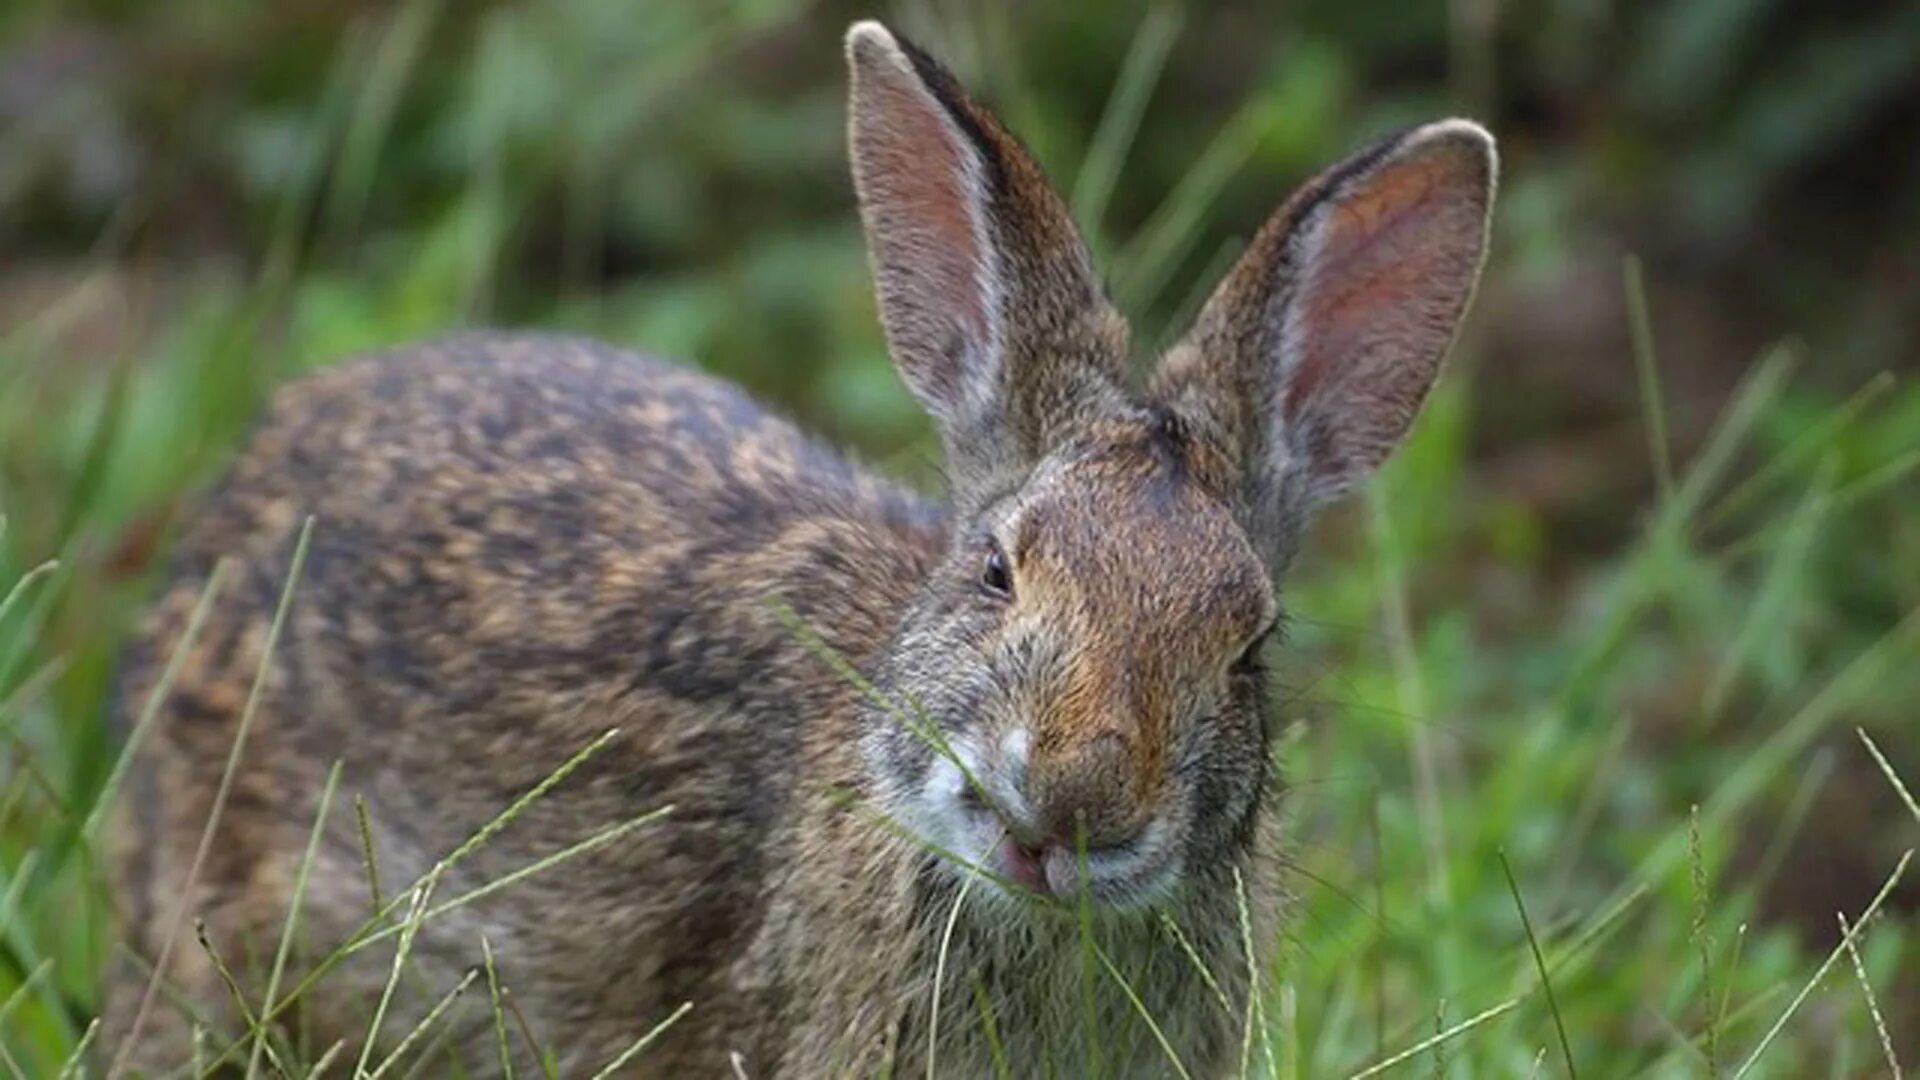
(972, 786)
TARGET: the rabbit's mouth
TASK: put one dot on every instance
(1135, 873)
(972, 811)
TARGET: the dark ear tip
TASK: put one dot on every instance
(1465, 141)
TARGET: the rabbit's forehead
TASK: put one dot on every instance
(1119, 528)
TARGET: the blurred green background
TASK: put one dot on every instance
(1655, 546)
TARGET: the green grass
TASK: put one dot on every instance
(1469, 720)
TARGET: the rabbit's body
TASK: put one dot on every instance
(955, 786)
(522, 542)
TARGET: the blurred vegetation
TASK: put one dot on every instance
(1653, 547)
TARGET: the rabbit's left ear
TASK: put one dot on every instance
(1314, 355)
(989, 300)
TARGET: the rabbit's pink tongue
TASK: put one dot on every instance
(1023, 865)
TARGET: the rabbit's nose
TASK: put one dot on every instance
(1087, 795)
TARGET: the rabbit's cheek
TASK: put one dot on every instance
(1221, 770)
(980, 793)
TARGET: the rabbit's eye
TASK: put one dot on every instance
(995, 577)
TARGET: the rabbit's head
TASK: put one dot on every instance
(1079, 683)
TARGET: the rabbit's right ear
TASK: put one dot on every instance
(987, 295)
(1315, 353)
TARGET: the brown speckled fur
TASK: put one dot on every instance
(525, 540)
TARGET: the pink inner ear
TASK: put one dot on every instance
(922, 188)
(1383, 276)
(1371, 256)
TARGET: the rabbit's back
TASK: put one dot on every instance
(519, 543)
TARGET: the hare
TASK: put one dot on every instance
(964, 788)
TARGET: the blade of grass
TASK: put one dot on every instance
(1809, 444)
(1873, 1002)
(1733, 969)
(417, 902)
(26, 986)
(1799, 806)
(110, 789)
(1602, 783)
(1289, 1033)
(499, 1015)
(1377, 947)
(1886, 768)
(287, 929)
(33, 337)
(426, 1023)
(441, 1052)
(381, 88)
(371, 929)
(1432, 1041)
(595, 165)
(1540, 965)
(1676, 1037)
(25, 582)
(190, 1011)
(99, 452)
(1574, 951)
(1145, 60)
(26, 756)
(17, 648)
(1256, 1007)
(1702, 941)
(1411, 688)
(1002, 1069)
(1786, 743)
(234, 992)
(1634, 583)
(1770, 601)
(15, 797)
(297, 208)
(327, 1059)
(22, 873)
(940, 974)
(1825, 965)
(1183, 314)
(514, 810)
(1143, 267)
(542, 1056)
(370, 864)
(1646, 366)
(220, 796)
(1843, 499)
(1193, 957)
(75, 1064)
(1090, 1011)
(591, 843)
(643, 1042)
(1335, 1025)
(1662, 1064)
(1153, 1026)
